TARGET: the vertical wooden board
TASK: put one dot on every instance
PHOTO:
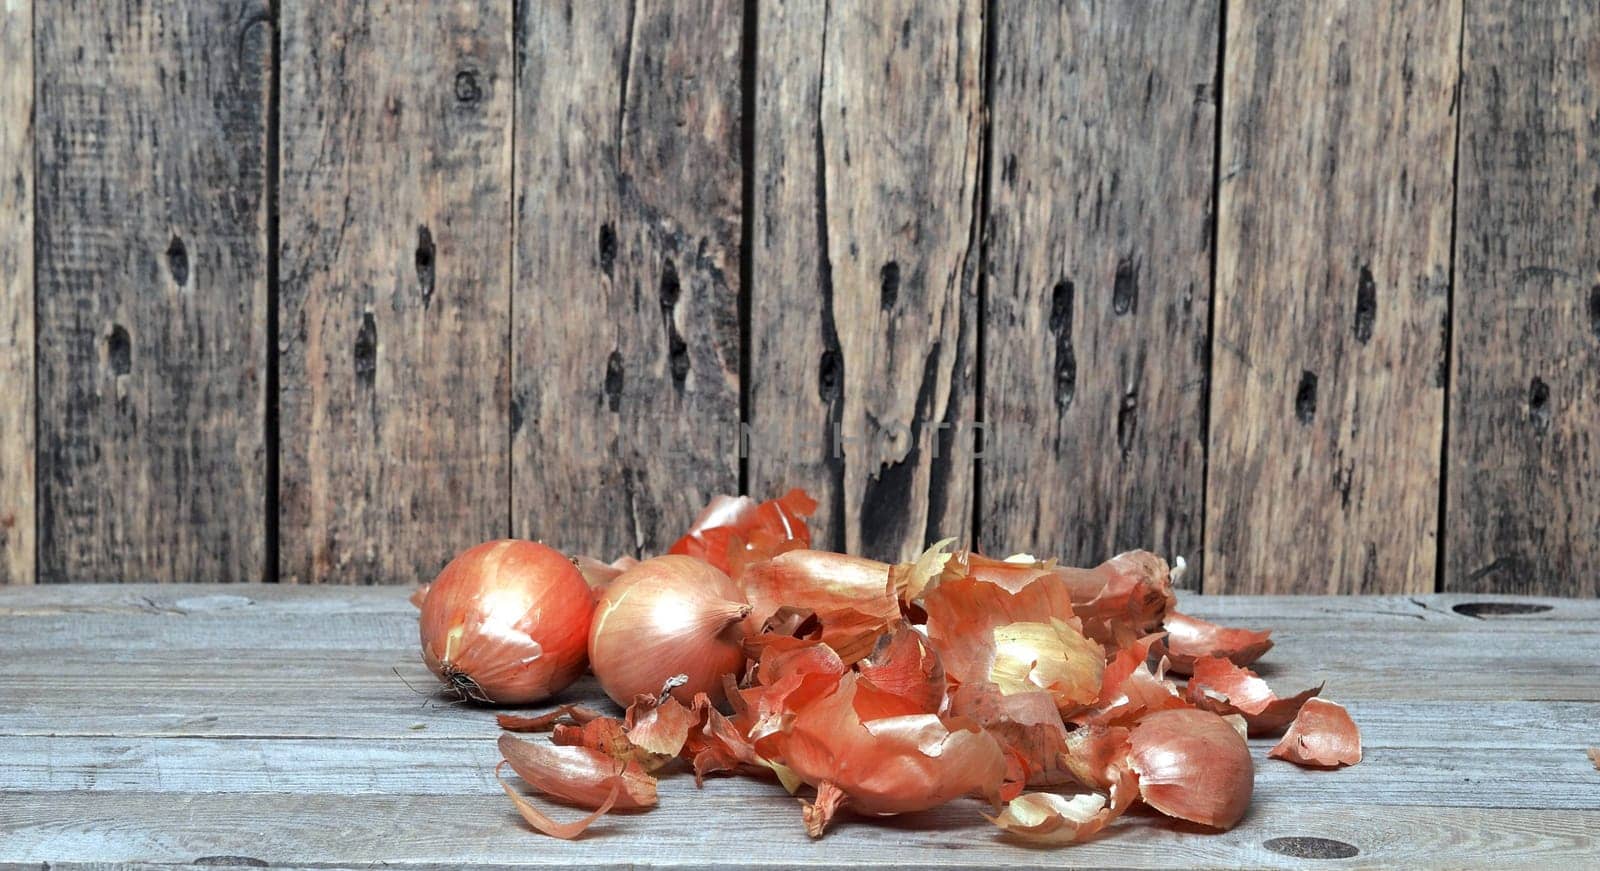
(1103, 120)
(1524, 456)
(865, 256)
(1331, 296)
(151, 227)
(394, 226)
(626, 409)
(16, 294)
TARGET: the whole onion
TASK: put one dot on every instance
(508, 622)
(668, 616)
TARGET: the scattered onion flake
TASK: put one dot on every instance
(1219, 685)
(1190, 638)
(1322, 736)
(1594, 756)
(579, 775)
(866, 687)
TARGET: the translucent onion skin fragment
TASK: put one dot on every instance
(543, 823)
(579, 775)
(1047, 818)
(733, 531)
(1192, 765)
(1220, 686)
(892, 765)
(1322, 736)
(819, 581)
(1189, 638)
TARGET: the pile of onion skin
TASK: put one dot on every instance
(879, 689)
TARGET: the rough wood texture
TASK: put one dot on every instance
(1327, 393)
(395, 295)
(626, 413)
(865, 257)
(1100, 278)
(151, 226)
(1524, 493)
(127, 753)
(16, 294)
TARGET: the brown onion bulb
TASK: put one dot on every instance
(668, 616)
(508, 622)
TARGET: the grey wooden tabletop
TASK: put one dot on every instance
(269, 725)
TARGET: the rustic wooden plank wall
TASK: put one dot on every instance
(865, 263)
(626, 340)
(1099, 278)
(323, 292)
(394, 302)
(151, 257)
(1333, 275)
(17, 519)
(1523, 502)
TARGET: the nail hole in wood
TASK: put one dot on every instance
(178, 260)
(1305, 397)
(1061, 300)
(828, 376)
(1499, 609)
(889, 279)
(1125, 287)
(424, 261)
(366, 350)
(1312, 848)
(1366, 305)
(119, 350)
(608, 248)
(613, 385)
(1539, 404)
(468, 91)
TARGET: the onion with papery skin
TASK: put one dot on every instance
(507, 622)
(664, 617)
(1192, 765)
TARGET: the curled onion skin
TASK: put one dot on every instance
(1220, 686)
(1192, 765)
(1322, 736)
(1190, 638)
(507, 622)
(668, 616)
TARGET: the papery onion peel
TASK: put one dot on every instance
(1192, 765)
(1220, 686)
(1323, 735)
(1190, 638)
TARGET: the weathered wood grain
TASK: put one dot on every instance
(626, 409)
(454, 831)
(395, 286)
(151, 299)
(17, 518)
(172, 714)
(1327, 389)
(1099, 279)
(864, 266)
(1553, 777)
(1524, 498)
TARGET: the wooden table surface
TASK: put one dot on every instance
(269, 725)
